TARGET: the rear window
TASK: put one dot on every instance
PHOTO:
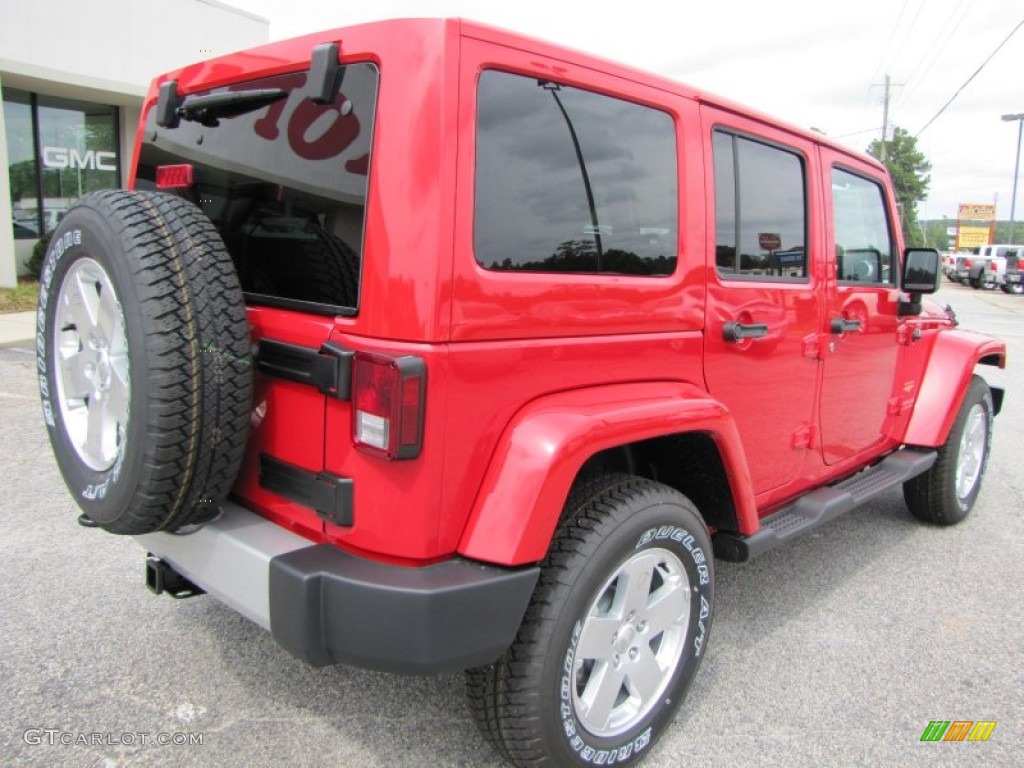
(285, 184)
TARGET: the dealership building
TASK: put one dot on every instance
(73, 77)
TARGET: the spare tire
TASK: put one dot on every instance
(144, 359)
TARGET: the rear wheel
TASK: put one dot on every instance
(946, 493)
(144, 361)
(1015, 289)
(613, 636)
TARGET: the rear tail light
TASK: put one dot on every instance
(174, 176)
(388, 402)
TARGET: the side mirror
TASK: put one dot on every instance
(921, 270)
(920, 275)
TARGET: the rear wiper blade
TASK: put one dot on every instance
(207, 109)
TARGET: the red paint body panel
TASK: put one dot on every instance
(412, 175)
(950, 366)
(529, 375)
(398, 505)
(546, 444)
(768, 384)
(510, 305)
(283, 412)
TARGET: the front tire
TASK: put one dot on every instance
(613, 636)
(946, 493)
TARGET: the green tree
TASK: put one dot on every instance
(911, 175)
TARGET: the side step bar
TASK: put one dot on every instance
(823, 504)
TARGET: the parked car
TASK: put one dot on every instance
(430, 347)
(960, 267)
(948, 263)
(1012, 282)
(988, 269)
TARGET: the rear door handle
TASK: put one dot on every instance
(842, 325)
(734, 331)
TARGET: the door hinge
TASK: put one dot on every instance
(908, 334)
(804, 436)
(330, 496)
(811, 346)
(898, 405)
(329, 368)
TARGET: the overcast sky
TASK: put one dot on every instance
(813, 64)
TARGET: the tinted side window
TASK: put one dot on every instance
(863, 240)
(572, 181)
(760, 209)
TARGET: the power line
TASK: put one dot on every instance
(882, 64)
(856, 133)
(937, 49)
(968, 80)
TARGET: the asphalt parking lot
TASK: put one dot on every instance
(837, 650)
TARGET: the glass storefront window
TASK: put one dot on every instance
(78, 149)
(68, 149)
(21, 165)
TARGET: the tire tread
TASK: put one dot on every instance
(503, 698)
(197, 353)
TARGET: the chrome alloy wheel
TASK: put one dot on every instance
(971, 455)
(91, 365)
(631, 642)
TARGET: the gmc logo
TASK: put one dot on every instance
(62, 157)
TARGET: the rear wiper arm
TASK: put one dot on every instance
(207, 109)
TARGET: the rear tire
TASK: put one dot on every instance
(614, 633)
(144, 361)
(946, 493)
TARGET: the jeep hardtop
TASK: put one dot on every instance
(431, 347)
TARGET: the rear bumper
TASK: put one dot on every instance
(328, 606)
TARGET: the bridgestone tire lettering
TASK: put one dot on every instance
(173, 460)
(524, 704)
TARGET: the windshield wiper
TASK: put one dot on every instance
(208, 109)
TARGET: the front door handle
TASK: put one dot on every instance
(842, 325)
(734, 331)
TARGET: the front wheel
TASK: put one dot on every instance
(613, 636)
(946, 493)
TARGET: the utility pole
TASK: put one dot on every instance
(885, 117)
(888, 84)
(1016, 170)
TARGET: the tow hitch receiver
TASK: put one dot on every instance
(161, 577)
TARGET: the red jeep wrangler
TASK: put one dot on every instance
(452, 349)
